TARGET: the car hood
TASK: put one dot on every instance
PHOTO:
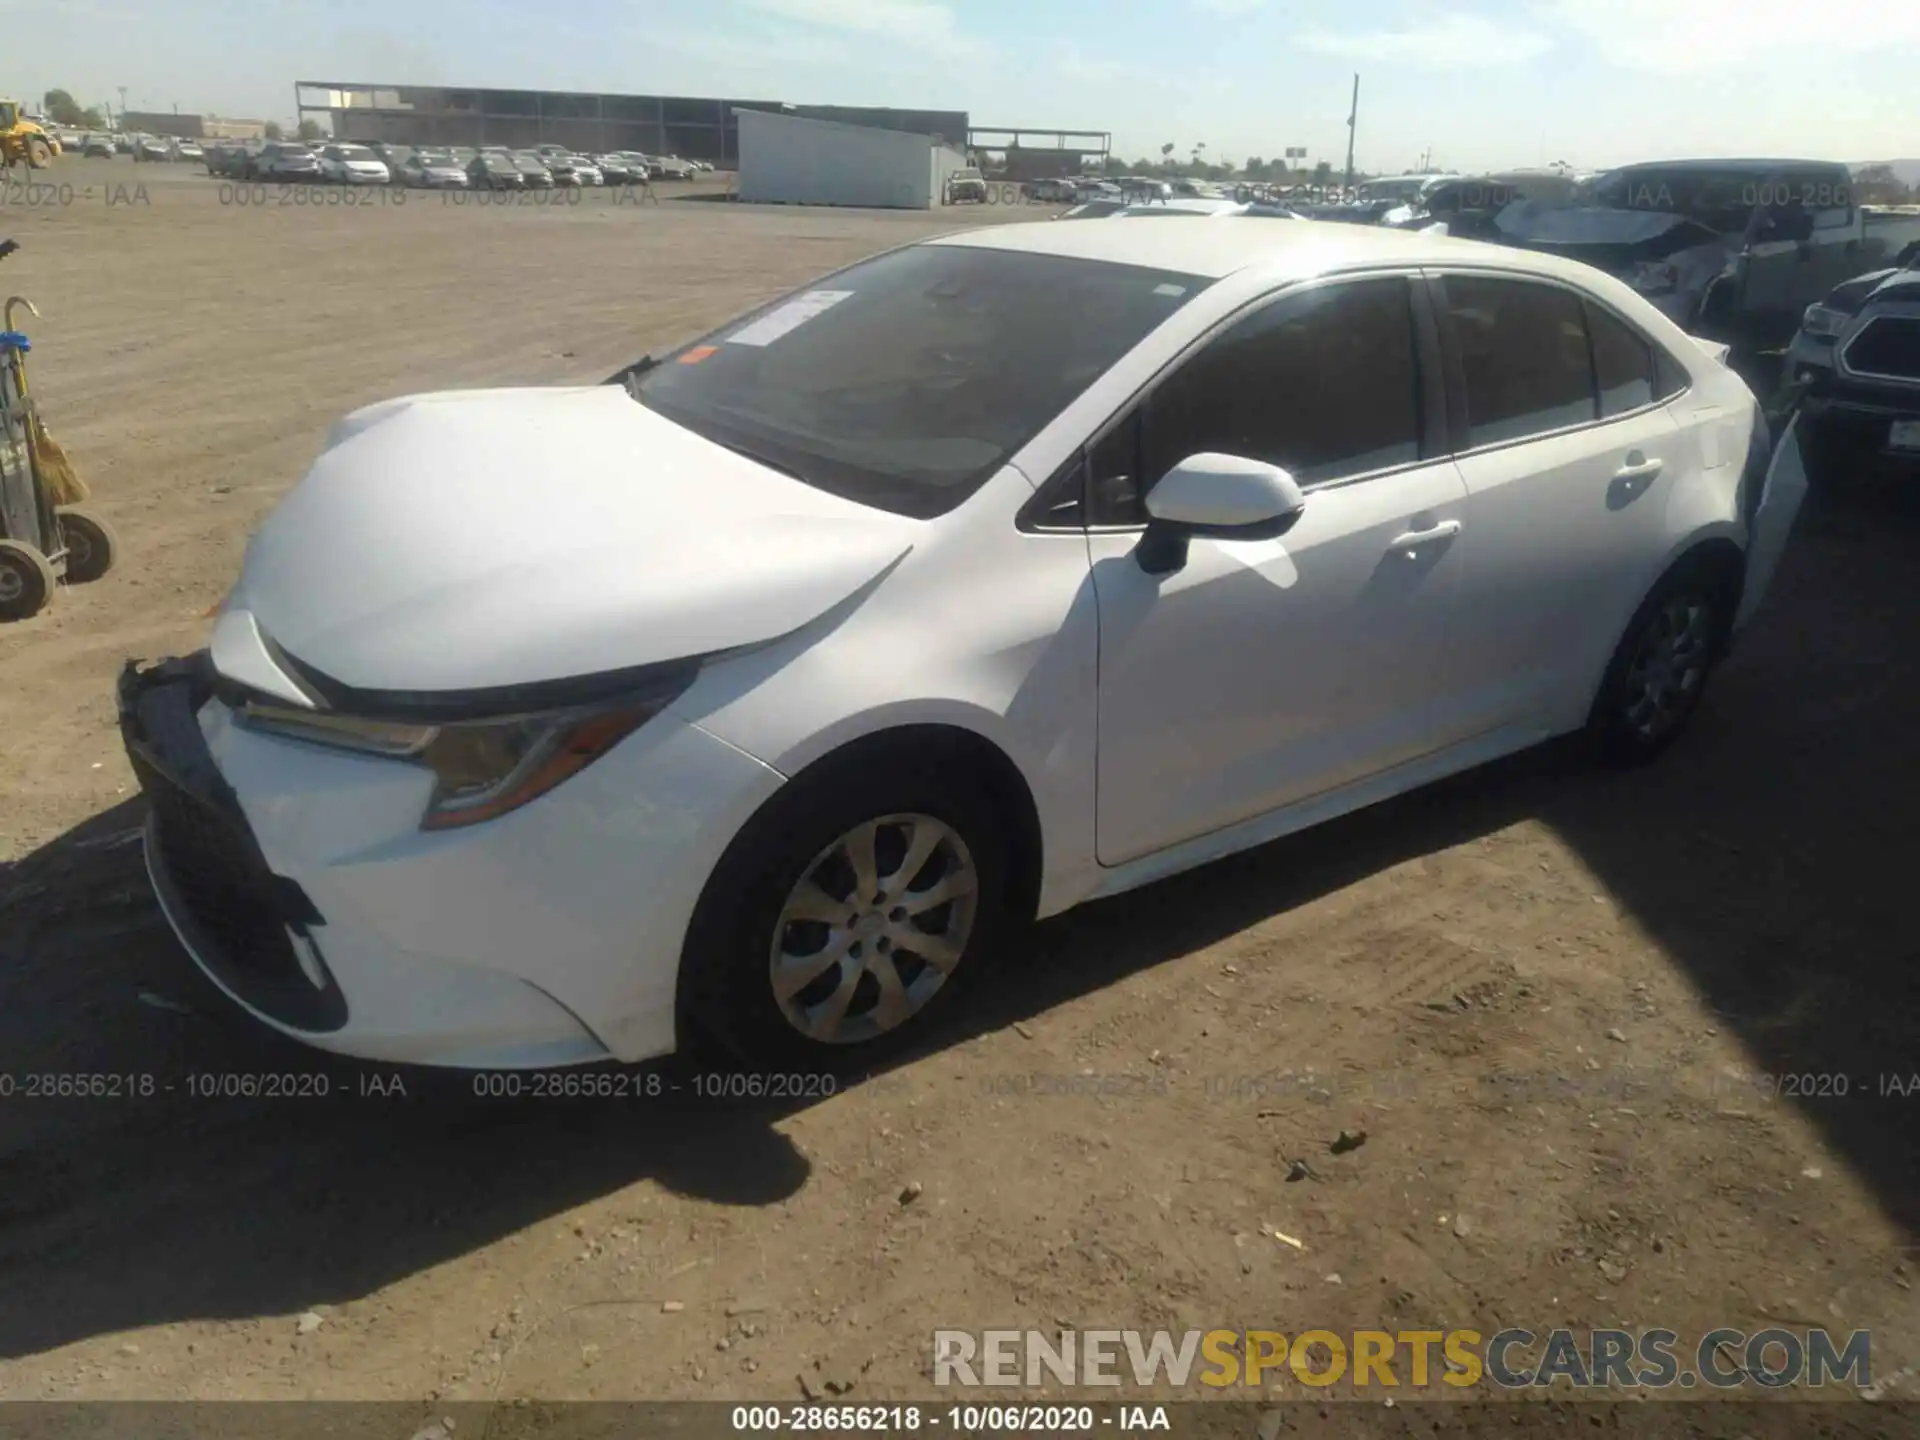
(471, 539)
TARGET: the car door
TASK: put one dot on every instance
(1569, 456)
(1261, 673)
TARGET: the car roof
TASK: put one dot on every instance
(1216, 251)
(1742, 166)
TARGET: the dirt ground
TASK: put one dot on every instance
(1558, 1005)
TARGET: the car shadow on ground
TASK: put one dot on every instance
(1764, 855)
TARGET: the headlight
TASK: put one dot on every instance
(481, 768)
(1824, 322)
(1654, 278)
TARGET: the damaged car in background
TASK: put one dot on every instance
(1735, 249)
(1854, 370)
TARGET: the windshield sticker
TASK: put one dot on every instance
(1172, 291)
(698, 353)
(790, 316)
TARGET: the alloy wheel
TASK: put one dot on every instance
(1669, 666)
(874, 928)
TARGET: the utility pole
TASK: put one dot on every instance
(1353, 120)
(123, 101)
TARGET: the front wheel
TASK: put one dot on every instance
(39, 154)
(848, 914)
(1660, 670)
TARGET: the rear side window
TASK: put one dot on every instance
(1524, 355)
(1622, 363)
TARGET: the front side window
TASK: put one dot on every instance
(907, 380)
(1324, 384)
(1524, 357)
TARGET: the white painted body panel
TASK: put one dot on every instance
(690, 548)
(1159, 722)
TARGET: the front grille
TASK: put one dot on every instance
(240, 908)
(1887, 346)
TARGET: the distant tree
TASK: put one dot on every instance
(1255, 168)
(91, 119)
(1879, 185)
(1323, 172)
(61, 108)
(273, 131)
(310, 130)
(1114, 165)
(1166, 156)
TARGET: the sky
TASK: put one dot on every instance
(1492, 85)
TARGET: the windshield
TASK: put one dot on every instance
(528, 162)
(1723, 201)
(355, 152)
(906, 381)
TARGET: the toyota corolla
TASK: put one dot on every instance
(756, 693)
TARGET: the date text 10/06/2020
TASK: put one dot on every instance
(959, 1419)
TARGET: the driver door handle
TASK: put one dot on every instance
(1414, 539)
(1638, 470)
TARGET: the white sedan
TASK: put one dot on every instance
(755, 694)
(353, 165)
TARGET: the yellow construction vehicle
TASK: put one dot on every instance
(22, 140)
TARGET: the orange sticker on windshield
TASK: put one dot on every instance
(699, 353)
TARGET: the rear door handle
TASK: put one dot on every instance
(1414, 539)
(1639, 470)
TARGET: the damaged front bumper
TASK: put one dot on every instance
(248, 928)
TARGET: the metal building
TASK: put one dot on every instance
(788, 159)
(689, 127)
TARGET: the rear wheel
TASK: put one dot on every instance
(848, 914)
(39, 154)
(26, 581)
(1660, 670)
(91, 544)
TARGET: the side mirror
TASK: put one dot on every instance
(1216, 497)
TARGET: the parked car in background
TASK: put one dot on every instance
(1182, 206)
(353, 165)
(1457, 499)
(964, 186)
(390, 154)
(188, 150)
(487, 171)
(614, 170)
(433, 170)
(122, 143)
(1733, 248)
(70, 141)
(574, 170)
(534, 174)
(1855, 365)
(99, 147)
(283, 162)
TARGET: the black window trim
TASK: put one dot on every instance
(1461, 432)
(1427, 357)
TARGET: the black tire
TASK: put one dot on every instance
(26, 581)
(92, 546)
(726, 968)
(39, 154)
(1619, 728)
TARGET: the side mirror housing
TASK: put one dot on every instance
(1216, 497)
